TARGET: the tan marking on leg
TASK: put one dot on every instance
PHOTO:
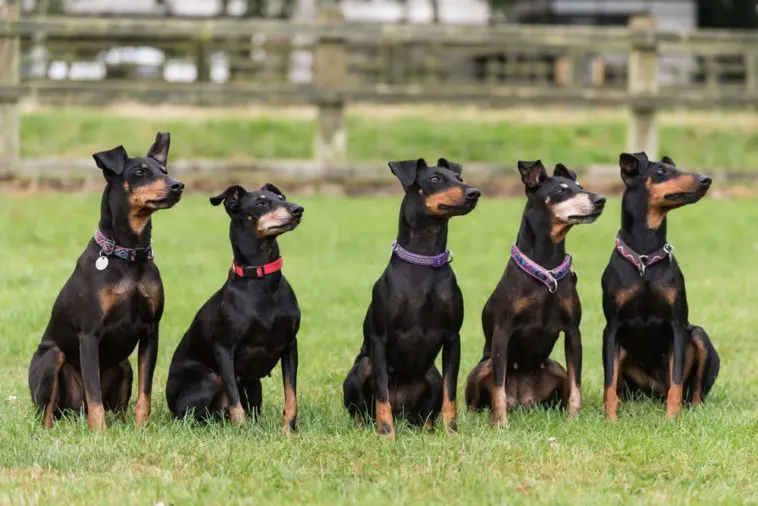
(124, 390)
(95, 415)
(428, 425)
(60, 359)
(152, 291)
(290, 410)
(574, 404)
(610, 398)
(499, 405)
(453, 197)
(448, 409)
(674, 397)
(384, 423)
(478, 379)
(144, 402)
(625, 295)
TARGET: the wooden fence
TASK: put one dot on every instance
(638, 67)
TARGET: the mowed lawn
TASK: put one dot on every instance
(708, 456)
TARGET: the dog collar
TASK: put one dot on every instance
(435, 261)
(643, 261)
(257, 271)
(548, 277)
(109, 247)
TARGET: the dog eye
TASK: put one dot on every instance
(560, 189)
(139, 172)
(260, 203)
(435, 179)
(661, 171)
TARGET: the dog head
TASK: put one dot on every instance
(143, 182)
(661, 185)
(266, 209)
(439, 190)
(561, 196)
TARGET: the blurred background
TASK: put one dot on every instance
(321, 93)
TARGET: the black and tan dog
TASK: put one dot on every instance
(534, 301)
(112, 301)
(649, 345)
(416, 308)
(246, 327)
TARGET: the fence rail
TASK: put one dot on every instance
(330, 63)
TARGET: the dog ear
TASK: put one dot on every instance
(563, 171)
(405, 170)
(159, 150)
(230, 197)
(112, 161)
(268, 187)
(455, 167)
(632, 164)
(668, 160)
(533, 174)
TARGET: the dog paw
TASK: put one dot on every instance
(386, 431)
(452, 428)
(288, 428)
(501, 423)
(237, 416)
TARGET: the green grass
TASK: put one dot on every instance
(708, 456)
(79, 133)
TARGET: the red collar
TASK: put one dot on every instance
(257, 271)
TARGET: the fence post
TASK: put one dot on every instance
(330, 75)
(642, 86)
(9, 80)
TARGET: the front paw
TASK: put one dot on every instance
(575, 406)
(142, 411)
(385, 430)
(289, 427)
(237, 415)
(96, 420)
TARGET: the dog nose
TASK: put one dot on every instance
(598, 201)
(705, 181)
(177, 186)
(472, 194)
(297, 210)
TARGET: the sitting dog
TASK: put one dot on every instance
(246, 327)
(534, 301)
(649, 345)
(112, 301)
(416, 308)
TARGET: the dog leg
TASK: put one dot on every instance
(289, 378)
(479, 379)
(676, 371)
(499, 357)
(89, 357)
(573, 345)
(52, 403)
(451, 361)
(116, 384)
(354, 390)
(611, 367)
(384, 423)
(148, 354)
(225, 362)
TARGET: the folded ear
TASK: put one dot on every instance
(632, 164)
(405, 170)
(112, 161)
(563, 171)
(230, 197)
(668, 160)
(159, 150)
(533, 174)
(455, 167)
(268, 187)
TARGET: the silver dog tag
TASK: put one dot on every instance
(101, 263)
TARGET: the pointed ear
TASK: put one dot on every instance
(668, 160)
(112, 161)
(159, 150)
(268, 187)
(455, 167)
(405, 170)
(632, 164)
(533, 174)
(563, 171)
(230, 197)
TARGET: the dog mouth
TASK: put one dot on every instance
(585, 218)
(684, 197)
(457, 210)
(164, 203)
(283, 226)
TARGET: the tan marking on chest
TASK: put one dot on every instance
(568, 305)
(625, 295)
(669, 295)
(111, 296)
(521, 304)
(152, 291)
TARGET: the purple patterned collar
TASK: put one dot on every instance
(435, 261)
(548, 277)
(109, 247)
